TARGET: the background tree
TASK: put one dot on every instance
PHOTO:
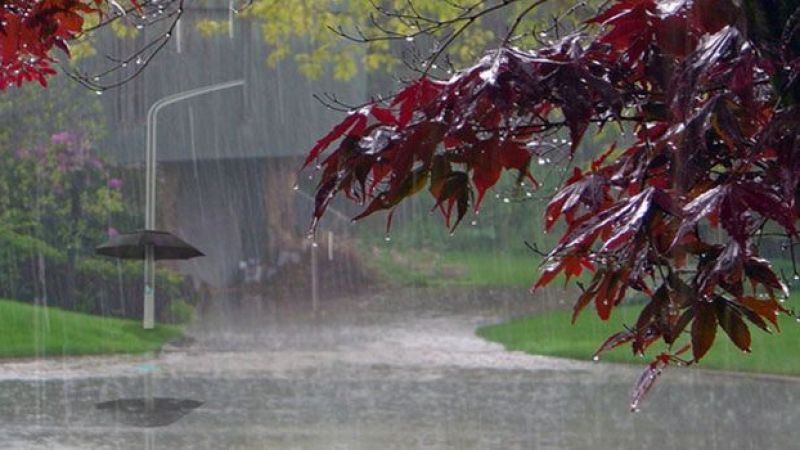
(342, 37)
(708, 89)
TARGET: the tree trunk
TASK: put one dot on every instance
(76, 211)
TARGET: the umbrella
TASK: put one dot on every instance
(148, 245)
(132, 246)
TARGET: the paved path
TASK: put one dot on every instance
(391, 370)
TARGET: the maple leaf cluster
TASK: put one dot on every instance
(29, 30)
(711, 90)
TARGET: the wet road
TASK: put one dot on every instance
(391, 370)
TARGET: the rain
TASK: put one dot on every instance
(157, 259)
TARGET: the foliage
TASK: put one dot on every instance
(709, 90)
(33, 32)
(60, 191)
(180, 311)
(34, 331)
(307, 31)
(311, 31)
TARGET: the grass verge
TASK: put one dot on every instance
(552, 334)
(456, 268)
(27, 331)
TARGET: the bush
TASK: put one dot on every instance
(180, 311)
(32, 271)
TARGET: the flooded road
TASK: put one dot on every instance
(389, 370)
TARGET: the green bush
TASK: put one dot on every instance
(32, 271)
(180, 311)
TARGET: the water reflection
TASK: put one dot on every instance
(390, 370)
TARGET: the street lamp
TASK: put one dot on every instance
(150, 186)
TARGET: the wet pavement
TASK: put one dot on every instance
(395, 369)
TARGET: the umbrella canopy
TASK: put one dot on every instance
(132, 246)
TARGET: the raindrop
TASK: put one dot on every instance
(139, 60)
(314, 244)
(796, 277)
(506, 200)
(409, 38)
(595, 358)
(474, 223)
(541, 161)
(98, 92)
(387, 238)
(295, 187)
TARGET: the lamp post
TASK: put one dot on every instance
(151, 143)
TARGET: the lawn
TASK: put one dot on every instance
(34, 331)
(457, 268)
(551, 334)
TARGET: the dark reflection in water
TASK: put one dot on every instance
(374, 408)
(148, 412)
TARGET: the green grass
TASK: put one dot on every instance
(27, 331)
(456, 268)
(552, 334)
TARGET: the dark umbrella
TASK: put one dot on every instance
(148, 245)
(132, 246)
